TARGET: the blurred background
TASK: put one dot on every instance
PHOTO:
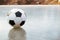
(43, 22)
(29, 2)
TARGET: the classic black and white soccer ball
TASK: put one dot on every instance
(16, 17)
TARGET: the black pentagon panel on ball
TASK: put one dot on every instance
(18, 14)
(11, 22)
(22, 23)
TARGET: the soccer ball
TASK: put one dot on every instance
(16, 17)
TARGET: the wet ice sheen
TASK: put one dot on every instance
(42, 23)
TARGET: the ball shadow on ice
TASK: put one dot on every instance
(17, 34)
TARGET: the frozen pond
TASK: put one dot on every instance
(43, 22)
